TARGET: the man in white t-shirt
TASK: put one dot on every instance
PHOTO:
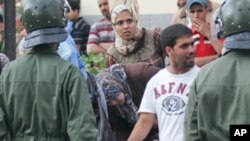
(166, 94)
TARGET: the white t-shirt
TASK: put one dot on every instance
(166, 95)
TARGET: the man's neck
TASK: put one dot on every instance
(107, 18)
(176, 70)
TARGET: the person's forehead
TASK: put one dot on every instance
(124, 15)
(102, 1)
(181, 0)
(184, 39)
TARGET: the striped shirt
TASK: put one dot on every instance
(101, 32)
(80, 33)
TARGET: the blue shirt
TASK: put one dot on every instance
(67, 50)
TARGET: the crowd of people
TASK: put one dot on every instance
(186, 82)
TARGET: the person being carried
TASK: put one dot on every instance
(123, 87)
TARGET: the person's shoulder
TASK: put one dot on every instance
(159, 74)
(141, 68)
(81, 23)
(102, 20)
(111, 49)
(214, 66)
(101, 23)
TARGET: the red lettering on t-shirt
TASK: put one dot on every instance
(181, 88)
(170, 88)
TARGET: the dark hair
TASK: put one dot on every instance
(170, 34)
(75, 5)
(1, 18)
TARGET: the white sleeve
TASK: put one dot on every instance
(147, 103)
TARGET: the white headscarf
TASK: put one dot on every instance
(124, 46)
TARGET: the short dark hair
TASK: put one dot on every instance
(170, 34)
(75, 5)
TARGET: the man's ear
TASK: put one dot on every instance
(168, 50)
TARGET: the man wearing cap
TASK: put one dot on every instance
(206, 49)
(181, 15)
(43, 97)
(219, 96)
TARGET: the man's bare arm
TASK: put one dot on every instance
(142, 127)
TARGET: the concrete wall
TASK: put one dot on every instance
(153, 13)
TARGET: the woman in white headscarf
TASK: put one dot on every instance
(132, 43)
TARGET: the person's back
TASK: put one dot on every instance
(43, 97)
(40, 87)
(218, 85)
(220, 93)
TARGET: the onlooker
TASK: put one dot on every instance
(181, 15)
(20, 36)
(219, 96)
(206, 49)
(166, 94)
(181, 3)
(80, 27)
(68, 51)
(101, 35)
(45, 97)
(123, 87)
(133, 44)
(19, 28)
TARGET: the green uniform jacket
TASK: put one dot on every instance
(44, 98)
(219, 98)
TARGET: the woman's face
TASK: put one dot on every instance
(119, 100)
(125, 25)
